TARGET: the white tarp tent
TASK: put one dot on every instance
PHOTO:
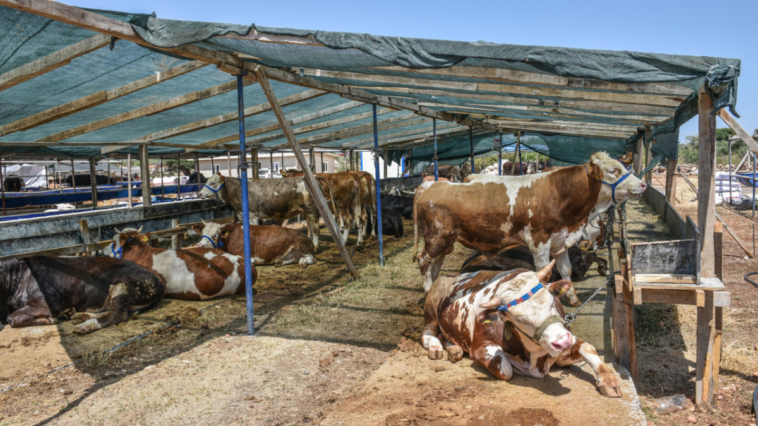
(32, 174)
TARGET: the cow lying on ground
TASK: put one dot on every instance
(546, 212)
(402, 205)
(521, 258)
(42, 290)
(269, 245)
(345, 188)
(268, 198)
(507, 322)
(392, 223)
(190, 274)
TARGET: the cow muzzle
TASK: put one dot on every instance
(563, 343)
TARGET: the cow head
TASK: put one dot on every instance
(124, 239)
(212, 187)
(211, 234)
(538, 316)
(618, 183)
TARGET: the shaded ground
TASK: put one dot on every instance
(326, 349)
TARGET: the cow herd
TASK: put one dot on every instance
(502, 309)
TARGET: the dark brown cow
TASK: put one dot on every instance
(268, 198)
(521, 258)
(546, 212)
(450, 173)
(191, 274)
(508, 322)
(42, 290)
(269, 245)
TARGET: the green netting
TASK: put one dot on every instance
(25, 37)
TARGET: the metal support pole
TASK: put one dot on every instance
(282, 166)
(197, 172)
(73, 178)
(2, 184)
(384, 157)
(410, 162)
(378, 186)
(60, 180)
(93, 182)
(47, 182)
(471, 144)
(500, 156)
(322, 162)
(245, 210)
(271, 164)
(128, 176)
(178, 176)
(147, 190)
(436, 171)
(163, 188)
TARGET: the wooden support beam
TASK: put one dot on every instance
(671, 166)
(734, 125)
(86, 237)
(52, 61)
(704, 356)
(144, 165)
(93, 182)
(144, 111)
(410, 138)
(706, 209)
(637, 165)
(98, 98)
(310, 183)
(648, 149)
(516, 89)
(16, 144)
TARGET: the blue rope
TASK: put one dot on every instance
(219, 245)
(612, 185)
(522, 299)
(118, 254)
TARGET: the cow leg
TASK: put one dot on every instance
(607, 383)
(31, 315)
(312, 221)
(454, 352)
(602, 264)
(491, 356)
(563, 263)
(345, 229)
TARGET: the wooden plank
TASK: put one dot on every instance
(147, 196)
(144, 111)
(637, 296)
(86, 237)
(709, 284)
(408, 135)
(666, 278)
(505, 121)
(620, 337)
(648, 148)
(671, 166)
(513, 76)
(704, 345)
(721, 299)
(176, 241)
(638, 156)
(313, 188)
(92, 181)
(52, 61)
(706, 207)
(554, 92)
(718, 250)
(734, 125)
(98, 98)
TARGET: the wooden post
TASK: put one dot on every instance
(163, 188)
(384, 157)
(178, 176)
(352, 168)
(706, 196)
(2, 184)
(648, 148)
(73, 177)
(229, 163)
(310, 183)
(254, 160)
(638, 154)
(176, 240)
(718, 244)
(128, 176)
(144, 165)
(321, 166)
(410, 162)
(60, 179)
(706, 220)
(671, 166)
(312, 159)
(282, 166)
(271, 163)
(86, 238)
(93, 182)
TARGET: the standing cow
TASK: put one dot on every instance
(269, 245)
(41, 290)
(546, 212)
(190, 274)
(508, 322)
(268, 198)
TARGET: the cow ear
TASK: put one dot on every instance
(221, 177)
(225, 232)
(492, 304)
(546, 272)
(145, 237)
(559, 288)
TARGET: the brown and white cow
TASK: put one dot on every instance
(367, 187)
(508, 322)
(190, 274)
(347, 200)
(269, 245)
(546, 212)
(450, 173)
(268, 198)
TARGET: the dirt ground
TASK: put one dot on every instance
(667, 334)
(327, 351)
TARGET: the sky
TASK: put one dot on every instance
(725, 29)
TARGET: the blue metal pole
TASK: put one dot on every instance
(434, 130)
(245, 205)
(471, 142)
(378, 191)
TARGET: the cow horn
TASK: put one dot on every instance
(140, 229)
(492, 304)
(117, 231)
(203, 220)
(545, 272)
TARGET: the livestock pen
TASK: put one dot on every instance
(94, 84)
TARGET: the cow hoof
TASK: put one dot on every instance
(454, 354)
(435, 354)
(610, 391)
(602, 271)
(575, 304)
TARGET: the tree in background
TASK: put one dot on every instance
(688, 151)
(186, 166)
